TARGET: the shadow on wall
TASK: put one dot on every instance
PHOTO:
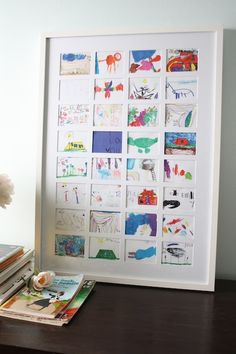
(226, 257)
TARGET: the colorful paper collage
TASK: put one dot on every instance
(119, 111)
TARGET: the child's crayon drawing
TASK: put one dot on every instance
(178, 225)
(107, 142)
(71, 194)
(139, 196)
(69, 245)
(75, 63)
(179, 198)
(179, 171)
(109, 89)
(106, 168)
(109, 62)
(145, 60)
(106, 195)
(180, 143)
(73, 114)
(72, 141)
(72, 167)
(141, 224)
(143, 143)
(182, 60)
(105, 248)
(177, 253)
(108, 115)
(140, 251)
(181, 116)
(144, 88)
(142, 170)
(181, 88)
(143, 116)
(105, 222)
(71, 220)
(74, 90)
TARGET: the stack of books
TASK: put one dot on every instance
(16, 268)
(55, 305)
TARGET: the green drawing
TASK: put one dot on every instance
(106, 254)
(142, 143)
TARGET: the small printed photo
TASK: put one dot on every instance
(104, 248)
(71, 194)
(145, 61)
(141, 251)
(105, 222)
(108, 115)
(181, 116)
(141, 224)
(106, 195)
(144, 88)
(106, 168)
(73, 114)
(143, 143)
(180, 143)
(143, 170)
(181, 88)
(178, 225)
(71, 220)
(110, 62)
(182, 60)
(140, 115)
(179, 171)
(139, 196)
(69, 245)
(75, 63)
(177, 253)
(72, 167)
(179, 199)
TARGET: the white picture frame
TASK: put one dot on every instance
(129, 154)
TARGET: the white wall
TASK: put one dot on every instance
(21, 24)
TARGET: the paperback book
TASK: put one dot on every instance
(47, 303)
(9, 253)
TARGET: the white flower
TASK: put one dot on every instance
(42, 280)
(6, 190)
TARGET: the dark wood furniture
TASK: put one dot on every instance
(119, 319)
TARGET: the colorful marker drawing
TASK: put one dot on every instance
(71, 194)
(145, 60)
(179, 171)
(73, 114)
(106, 168)
(139, 196)
(143, 143)
(140, 251)
(142, 170)
(105, 222)
(109, 62)
(73, 141)
(179, 198)
(143, 116)
(105, 248)
(71, 167)
(177, 253)
(106, 89)
(182, 60)
(107, 142)
(178, 225)
(137, 224)
(69, 245)
(71, 220)
(108, 115)
(181, 116)
(106, 195)
(74, 90)
(75, 63)
(183, 89)
(144, 88)
(180, 143)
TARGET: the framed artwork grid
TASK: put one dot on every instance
(128, 171)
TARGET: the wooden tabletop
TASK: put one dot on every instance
(119, 319)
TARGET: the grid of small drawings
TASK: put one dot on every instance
(126, 155)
